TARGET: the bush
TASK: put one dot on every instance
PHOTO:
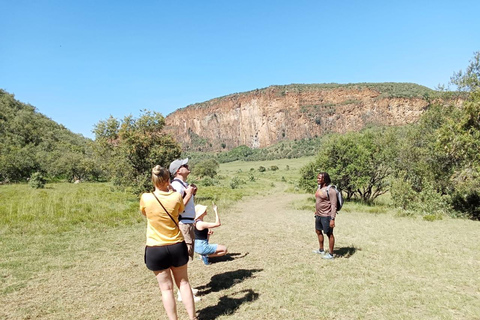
(261, 169)
(274, 168)
(37, 181)
(468, 202)
(206, 182)
(426, 202)
(236, 182)
(206, 168)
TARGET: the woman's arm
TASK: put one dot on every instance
(142, 205)
(201, 225)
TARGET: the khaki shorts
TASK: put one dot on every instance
(189, 236)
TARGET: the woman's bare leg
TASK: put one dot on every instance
(165, 283)
(221, 251)
(180, 275)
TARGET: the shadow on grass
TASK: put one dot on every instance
(228, 304)
(346, 252)
(227, 257)
(226, 280)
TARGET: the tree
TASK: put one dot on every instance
(206, 168)
(468, 80)
(130, 148)
(439, 165)
(30, 142)
(358, 163)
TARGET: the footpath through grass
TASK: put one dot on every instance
(387, 267)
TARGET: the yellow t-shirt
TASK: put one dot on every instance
(161, 230)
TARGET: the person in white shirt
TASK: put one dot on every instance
(179, 171)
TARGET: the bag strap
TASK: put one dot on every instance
(184, 184)
(328, 189)
(166, 211)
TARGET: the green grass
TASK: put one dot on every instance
(64, 207)
(386, 266)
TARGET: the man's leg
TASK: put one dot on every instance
(188, 235)
(331, 242)
(320, 239)
(318, 230)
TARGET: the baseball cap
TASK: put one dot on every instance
(175, 165)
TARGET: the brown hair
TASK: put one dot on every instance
(160, 175)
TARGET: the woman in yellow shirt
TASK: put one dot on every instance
(166, 252)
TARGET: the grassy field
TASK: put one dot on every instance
(56, 265)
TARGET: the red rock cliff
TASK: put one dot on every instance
(264, 117)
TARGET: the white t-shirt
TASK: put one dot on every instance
(189, 212)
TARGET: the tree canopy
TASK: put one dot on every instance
(131, 147)
(30, 142)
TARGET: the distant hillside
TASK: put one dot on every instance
(264, 117)
(30, 142)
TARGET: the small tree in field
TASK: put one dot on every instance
(130, 148)
(358, 163)
(37, 181)
(206, 168)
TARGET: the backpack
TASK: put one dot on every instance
(339, 197)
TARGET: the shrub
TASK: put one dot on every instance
(206, 182)
(426, 202)
(37, 181)
(206, 168)
(274, 168)
(261, 169)
(236, 182)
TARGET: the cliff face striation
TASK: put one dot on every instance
(263, 117)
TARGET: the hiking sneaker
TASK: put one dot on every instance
(205, 260)
(322, 252)
(327, 256)
(196, 299)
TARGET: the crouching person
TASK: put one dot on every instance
(203, 232)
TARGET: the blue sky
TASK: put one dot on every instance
(79, 62)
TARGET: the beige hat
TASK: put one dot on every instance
(199, 210)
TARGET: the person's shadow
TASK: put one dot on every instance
(227, 257)
(346, 252)
(226, 280)
(227, 305)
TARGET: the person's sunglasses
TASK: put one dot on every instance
(184, 166)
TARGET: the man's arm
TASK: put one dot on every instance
(188, 194)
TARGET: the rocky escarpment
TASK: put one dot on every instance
(264, 117)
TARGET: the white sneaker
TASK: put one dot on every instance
(195, 298)
(328, 256)
(194, 291)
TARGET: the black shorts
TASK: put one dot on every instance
(323, 223)
(164, 257)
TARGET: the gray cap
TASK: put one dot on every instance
(175, 165)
